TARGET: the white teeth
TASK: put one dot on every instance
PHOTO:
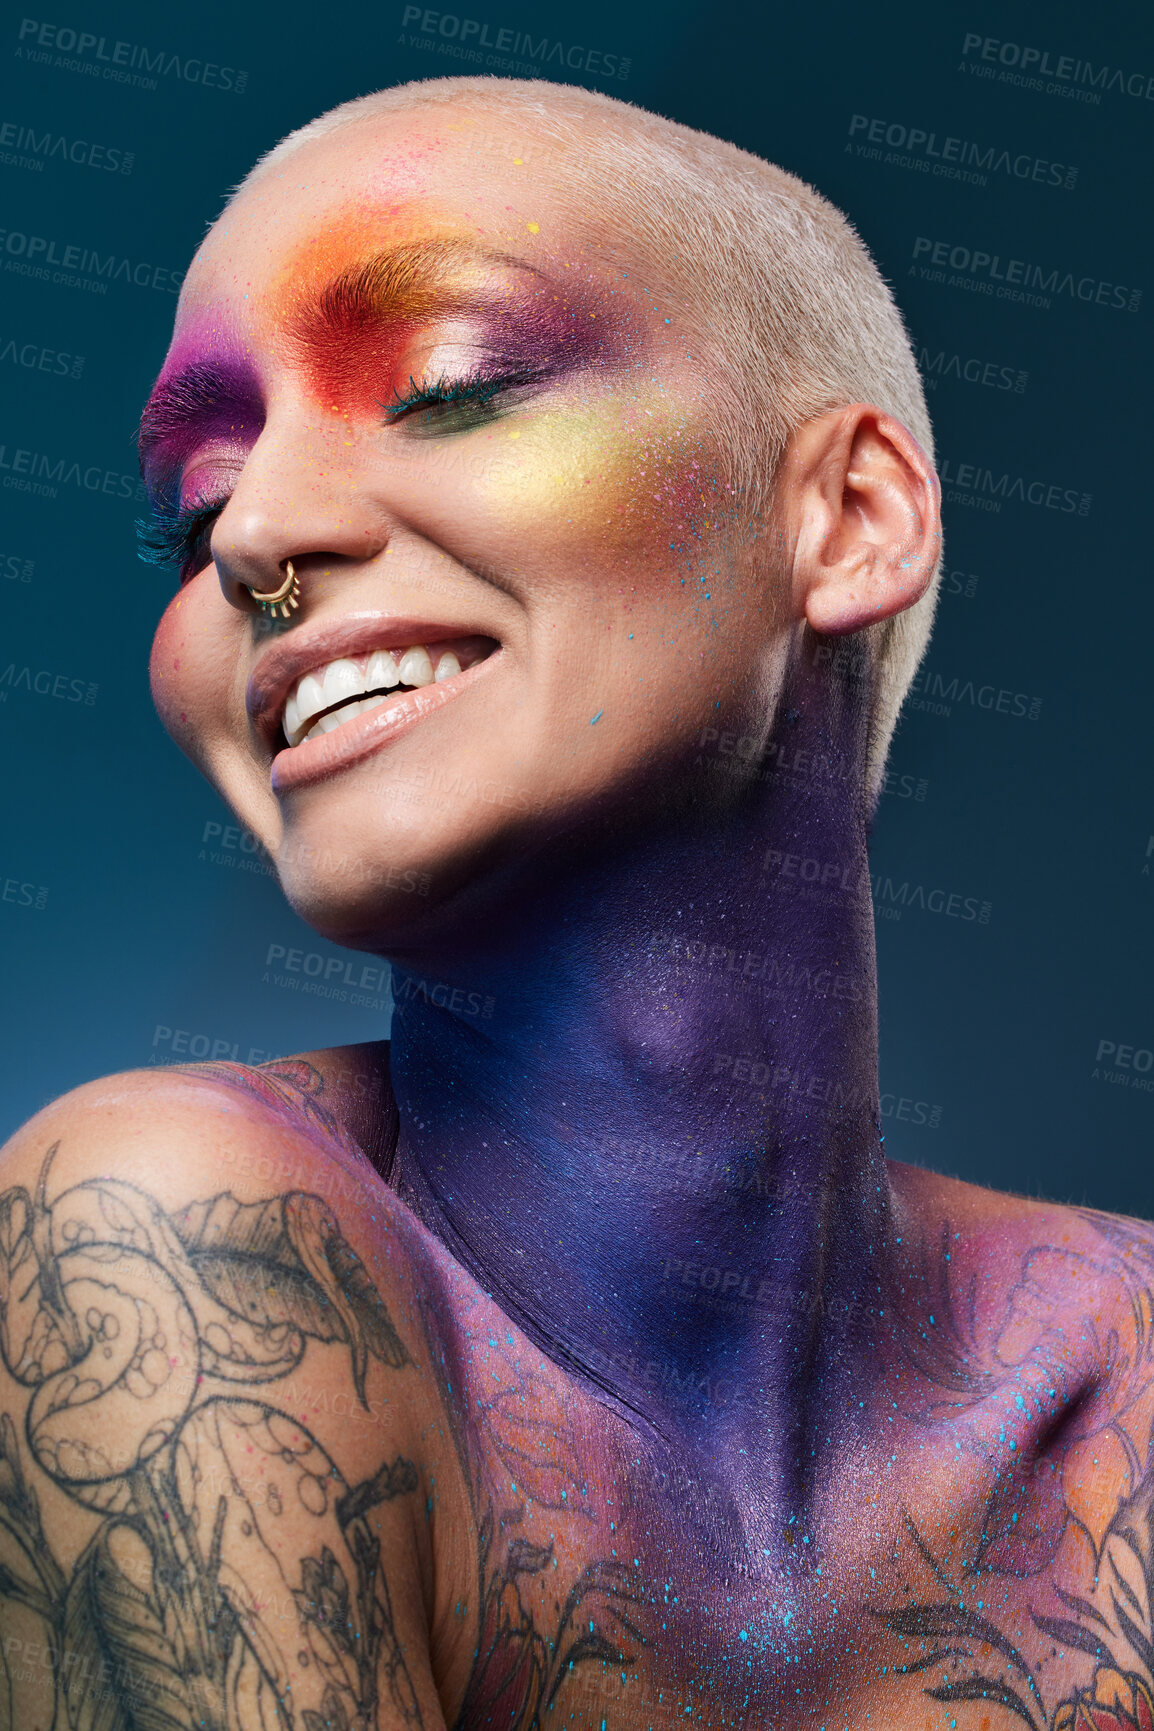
(310, 696)
(342, 679)
(345, 713)
(381, 671)
(415, 667)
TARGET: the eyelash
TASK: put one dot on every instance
(173, 537)
(179, 537)
(476, 390)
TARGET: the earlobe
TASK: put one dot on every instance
(872, 528)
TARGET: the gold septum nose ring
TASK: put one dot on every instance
(284, 600)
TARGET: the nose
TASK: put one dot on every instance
(303, 504)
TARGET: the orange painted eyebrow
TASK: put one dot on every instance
(404, 283)
(346, 332)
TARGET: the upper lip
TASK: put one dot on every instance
(284, 662)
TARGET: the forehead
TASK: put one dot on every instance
(395, 180)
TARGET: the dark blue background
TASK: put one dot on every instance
(144, 950)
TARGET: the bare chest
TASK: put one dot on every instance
(620, 1595)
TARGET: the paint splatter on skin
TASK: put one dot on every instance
(804, 1438)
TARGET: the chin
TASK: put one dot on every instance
(362, 913)
(362, 901)
(385, 892)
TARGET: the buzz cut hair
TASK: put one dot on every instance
(796, 318)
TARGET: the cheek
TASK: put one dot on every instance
(179, 670)
(608, 487)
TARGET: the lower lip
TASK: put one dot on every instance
(318, 759)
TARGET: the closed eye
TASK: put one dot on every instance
(448, 405)
(179, 537)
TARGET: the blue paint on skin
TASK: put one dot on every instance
(596, 1153)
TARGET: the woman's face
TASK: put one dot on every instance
(479, 430)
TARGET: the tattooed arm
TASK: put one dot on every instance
(218, 1447)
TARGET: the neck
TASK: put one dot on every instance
(638, 1099)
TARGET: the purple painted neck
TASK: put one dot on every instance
(638, 1091)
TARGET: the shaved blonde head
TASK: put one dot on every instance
(795, 317)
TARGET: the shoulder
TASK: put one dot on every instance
(217, 1349)
(1030, 1267)
(240, 1189)
(1002, 1226)
(1039, 1309)
(213, 1120)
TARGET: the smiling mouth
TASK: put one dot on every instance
(339, 690)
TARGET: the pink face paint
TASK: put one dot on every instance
(207, 396)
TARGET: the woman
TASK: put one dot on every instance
(557, 529)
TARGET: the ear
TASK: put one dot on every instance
(864, 501)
